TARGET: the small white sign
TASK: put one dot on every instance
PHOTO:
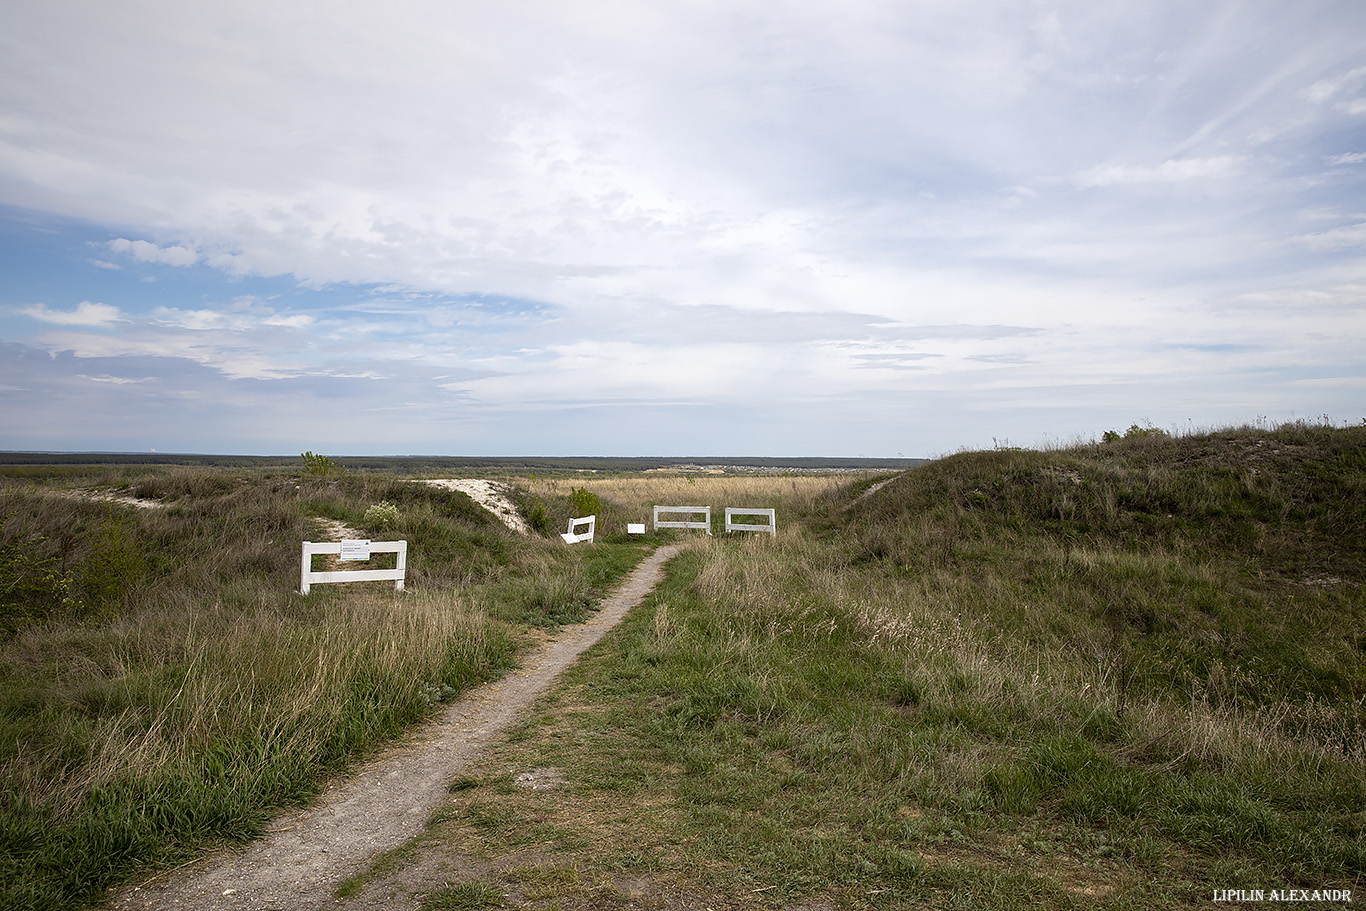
(355, 549)
(635, 528)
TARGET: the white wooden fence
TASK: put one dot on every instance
(353, 550)
(771, 526)
(704, 525)
(573, 537)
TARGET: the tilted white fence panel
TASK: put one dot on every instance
(704, 525)
(573, 537)
(771, 526)
(308, 577)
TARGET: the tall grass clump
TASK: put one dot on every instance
(163, 686)
(232, 713)
(33, 581)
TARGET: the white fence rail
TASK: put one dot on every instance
(771, 526)
(573, 537)
(308, 577)
(704, 525)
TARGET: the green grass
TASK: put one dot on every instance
(1121, 675)
(463, 897)
(163, 687)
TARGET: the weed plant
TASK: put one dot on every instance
(162, 685)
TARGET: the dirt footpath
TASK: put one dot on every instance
(306, 854)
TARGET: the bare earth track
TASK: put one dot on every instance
(307, 853)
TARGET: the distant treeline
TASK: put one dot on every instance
(497, 465)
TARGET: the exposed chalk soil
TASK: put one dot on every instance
(299, 863)
(489, 494)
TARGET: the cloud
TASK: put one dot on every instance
(147, 252)
(1346, 237)
(1345, 92)
(245, 315)
(189, 319)
(1346, 159)
(1170, 171)
(86, 314)
(297, 321)
(117, 380)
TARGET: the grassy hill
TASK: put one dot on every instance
(163, 685)
(1226, 566)
(1120, 675)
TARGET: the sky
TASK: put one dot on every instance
(875, 228)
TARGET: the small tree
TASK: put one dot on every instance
(537, 517)
(319, 466)
(585, 502)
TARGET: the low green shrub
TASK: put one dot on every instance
(32, 585)
(115, 562)
(383, 516)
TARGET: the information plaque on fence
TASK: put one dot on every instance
(355, 549)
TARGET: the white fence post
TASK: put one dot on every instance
(307, 577)
(771, 526)
(572, 537)
(704, 525)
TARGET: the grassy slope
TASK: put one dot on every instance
(161, 684)
(1122, 675)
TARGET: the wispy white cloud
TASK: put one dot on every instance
(1346, 92)
(1345, 237)
(1169, 171)
(86, 313)
(296, 321)
(189, 319)
(117, 380)
(147, 252)
(244, 315)
(1347, 158)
